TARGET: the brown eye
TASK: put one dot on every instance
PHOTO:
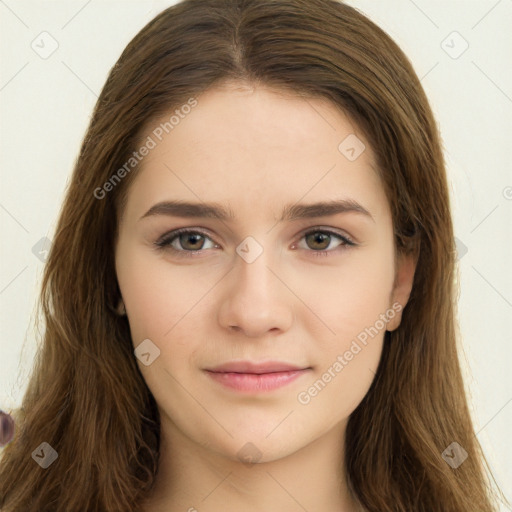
(191, 241)
(318, 240)
(185, 240)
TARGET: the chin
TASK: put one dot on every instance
(257, 448)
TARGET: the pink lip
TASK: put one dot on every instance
(255, 377)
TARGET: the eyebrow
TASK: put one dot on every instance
(290, 212)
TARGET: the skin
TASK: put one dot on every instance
(255, 150)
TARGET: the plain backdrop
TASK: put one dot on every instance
(55, 57)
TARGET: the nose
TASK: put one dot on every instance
(255, 299)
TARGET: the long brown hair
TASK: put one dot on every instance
(87, 398)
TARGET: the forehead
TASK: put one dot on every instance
(256, 118)
(244, 144)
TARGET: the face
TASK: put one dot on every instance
(260, 331)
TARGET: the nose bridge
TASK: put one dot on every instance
(256, 300)
(252, 278)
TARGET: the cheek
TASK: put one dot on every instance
(353, 306)
(160, 305)
(342, 382)
(350, 296)
(157, 296)
(163, 305)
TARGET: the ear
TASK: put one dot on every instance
(121, 310)
(404, 277)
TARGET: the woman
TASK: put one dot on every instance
(201, 351)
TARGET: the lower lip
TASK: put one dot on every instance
(251, 382)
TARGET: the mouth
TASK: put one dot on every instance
(249, 377)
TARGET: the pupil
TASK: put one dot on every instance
(193, 239)
(321, 237)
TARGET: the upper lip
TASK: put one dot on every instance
(257, 368)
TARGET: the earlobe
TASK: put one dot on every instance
(121, 310)
(402, 287)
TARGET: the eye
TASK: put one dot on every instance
(188, 242)
(184, 241)
(319, 240)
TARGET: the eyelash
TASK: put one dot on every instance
(164, 243)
